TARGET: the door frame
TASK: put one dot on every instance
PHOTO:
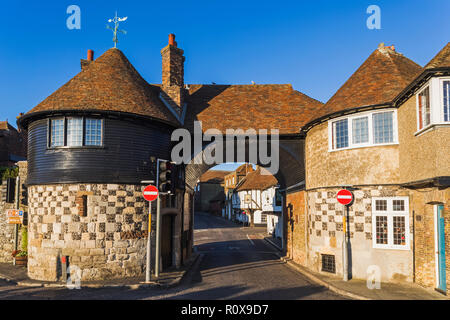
(436, 244)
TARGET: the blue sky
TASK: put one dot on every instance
(314, 45)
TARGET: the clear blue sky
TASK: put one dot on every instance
(314, 45)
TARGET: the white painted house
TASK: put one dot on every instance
(257, 196)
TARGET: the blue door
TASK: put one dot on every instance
(441, 248)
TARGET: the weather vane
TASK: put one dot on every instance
(115, 30)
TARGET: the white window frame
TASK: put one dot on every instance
(436, 87)
(370, 143)
(390, 213)
(441, 99)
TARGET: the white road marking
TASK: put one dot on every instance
(250, 240)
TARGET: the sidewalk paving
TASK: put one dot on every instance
(168, 278)
(357, 289)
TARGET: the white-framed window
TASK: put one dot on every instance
(433, 104)
(363, 129)
(390, 223)
(424, 108)
(75, 132)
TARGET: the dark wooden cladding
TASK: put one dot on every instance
(123, 158)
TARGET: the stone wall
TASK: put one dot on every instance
(360, 166)
(296, 238)
(423, 156)
(108, 241)
(7, 231)
(325, 228)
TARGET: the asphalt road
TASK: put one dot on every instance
(236, 264)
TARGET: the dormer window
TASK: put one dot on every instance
(363, 129)
(433, 104)
(75, 132)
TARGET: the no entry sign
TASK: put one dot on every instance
(344, 197)
(150, 193)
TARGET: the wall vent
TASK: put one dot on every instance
(328, 263)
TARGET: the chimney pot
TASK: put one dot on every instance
(172, 40)
(90, 55)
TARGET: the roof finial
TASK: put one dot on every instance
(116, 21)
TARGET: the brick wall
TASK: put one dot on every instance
(423, 204)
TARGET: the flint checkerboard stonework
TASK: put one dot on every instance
(106, 241)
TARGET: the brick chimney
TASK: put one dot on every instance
(90, 58)
(173, 74)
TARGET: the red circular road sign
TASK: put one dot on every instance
(150, 193)
(344, 197)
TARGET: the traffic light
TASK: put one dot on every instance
(165, 176)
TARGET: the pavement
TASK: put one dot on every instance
(17, 275)
(355, 288)
(358, 289)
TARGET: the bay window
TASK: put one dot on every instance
(363, 129)
(433, 104)
(390, 223)
(75, 132)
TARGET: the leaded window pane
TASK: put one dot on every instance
(398, 205)
(93, 132)
(360, 128)
(399, 231)
(383, 131)
(74, 132)
(340, 129)
(381, 205)
(381, 229)
(57, 133)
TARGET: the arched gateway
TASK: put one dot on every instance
(90, 145)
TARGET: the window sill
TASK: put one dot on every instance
(75, 148)
(431, 127)
(364, 146)
(406, 248)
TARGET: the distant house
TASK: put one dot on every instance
(253, 199)
(210, 184)
(231, 181)
(13, 145)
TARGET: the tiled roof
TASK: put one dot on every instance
(257, 181)
(249, 107)
(109, 83)
(442, 59)
(377, 81)
(213, 176)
